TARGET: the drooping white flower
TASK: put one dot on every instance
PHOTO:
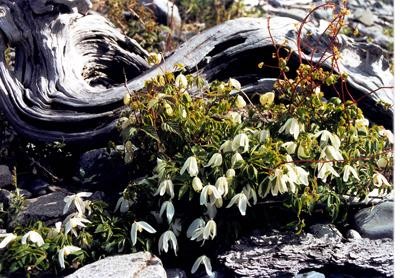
(123, 204)
(326, 137)
(58, 226)
(154, 58)
(301, 174)
(236, 159)
(168, 207)
(302, 152)
(127, 98)
(234, 117)
(139, 227)
(361, 125)
(209, 195)
(290, 147)
(250, 193)
(331, 153)
(279, 182)
(195, 228)
(267, 99)
(226, 146)
(382, 162)
(190, 166)
(325, 170)
(240, 102)
(222, 185)
(388, 134)
(240, 143)
(347, 170)
(168, 109)
(202, 260)
(379, 180)
(74, 222)
(197, 185)
(235, 84)
(264, 134)
(292, 127)
(55, 231)
(163, 242)
(65, 251)
(215, 160)
(33, 237)
(9, 237)
(230, 173)
(181, 81)
(241, 201)
(80, 205)
(166, 186)
(210, 230)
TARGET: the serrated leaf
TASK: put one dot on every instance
(151, 132)
(169, 128)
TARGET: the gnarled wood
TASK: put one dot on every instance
(70, 67)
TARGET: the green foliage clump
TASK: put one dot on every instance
(141, 25)
(219, 148)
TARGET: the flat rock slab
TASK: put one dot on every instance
(141, 264)
(376, 221)
(285, 254)
(5, 176)
(47, 208)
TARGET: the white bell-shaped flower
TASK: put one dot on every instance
(65, 251)
(292, 127)
(139, 227)
(166, 186)
(241, 201)
(209, 195)
(197, 184)
(190, 166)
(205, 261)
(222, 185)
(267, 99)
(240, 143)
(168, 208)
(379, 180)
(347, 170)
(166, 238)
(215, 160)
(33, 237)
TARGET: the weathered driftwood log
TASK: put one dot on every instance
(286, 254)
(68, 77)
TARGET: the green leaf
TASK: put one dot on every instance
(182, 191)
(151, 132)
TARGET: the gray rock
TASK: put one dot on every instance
(166, 12)
(176, 273)
(353, 234)
(311, 274)
(326, 231)
(376, 222)
(38, 187)
(285, 254)
(47, 208)
(101, 167)
(5, 197)
(5, 176)
(365, 16)
(141, 264)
